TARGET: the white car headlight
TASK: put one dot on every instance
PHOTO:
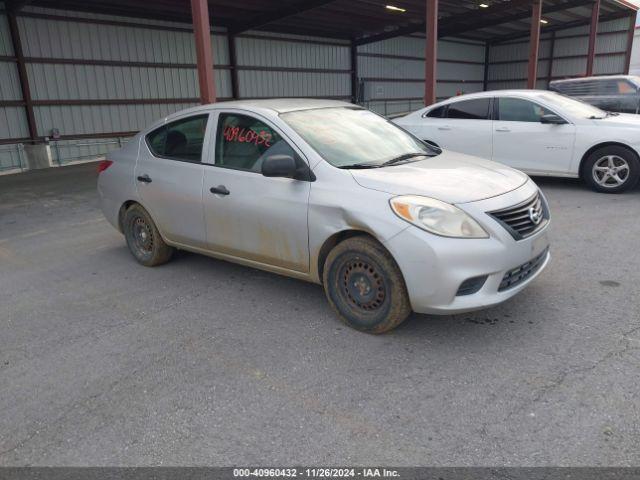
(437, 217)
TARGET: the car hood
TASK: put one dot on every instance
(450, 177)
(621, 120)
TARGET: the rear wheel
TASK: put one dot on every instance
(365, 287)
(612, 169)
(143, 238)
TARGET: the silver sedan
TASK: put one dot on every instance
(331, 193)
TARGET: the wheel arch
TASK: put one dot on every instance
(338, 237)
(602, 145)
(123, 208)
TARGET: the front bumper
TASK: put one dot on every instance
(435, 267)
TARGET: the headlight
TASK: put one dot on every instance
(437, 217)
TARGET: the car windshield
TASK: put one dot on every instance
(354, 137)
(573, 106)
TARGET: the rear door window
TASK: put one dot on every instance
(477, 109)
(179, 140)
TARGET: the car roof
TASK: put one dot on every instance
(599, 77)
(495, 93)
(277, 105)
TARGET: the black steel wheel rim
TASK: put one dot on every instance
(142, 234)
(362, 285)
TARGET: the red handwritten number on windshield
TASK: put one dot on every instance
(245, 135)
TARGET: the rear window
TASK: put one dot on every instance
(179, 140)
(595, 87)
(477, 109)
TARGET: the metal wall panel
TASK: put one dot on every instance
(9, 82)
(72, 40)
(567, 44)
(379, 73)
(613, 25)
(258, 84)
(612, 43)
(465, 51)
(60, 82)
(571, 46)
(408, 46)
(86, 41)
(84, 120)
(517, 51)
(567, 67)
(6, 48)
(390, 67)
(13, 122)
(280, 53)
(276, 52)
(610, 64)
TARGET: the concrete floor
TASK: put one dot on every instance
(105, 362)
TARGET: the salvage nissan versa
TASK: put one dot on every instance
(328, 192)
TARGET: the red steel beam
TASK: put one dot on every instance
(431, 52)
(534, 43)
(22, 73)
(204, 55)
(630, 34)
(593, 33)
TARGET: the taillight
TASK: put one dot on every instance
(103, 165)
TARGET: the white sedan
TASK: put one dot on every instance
(538, 132)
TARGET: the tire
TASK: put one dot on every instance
(143, 238)
(611, 169)
(365, 287)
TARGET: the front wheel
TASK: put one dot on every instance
(612, 169)
(143, 238)
(365, 287)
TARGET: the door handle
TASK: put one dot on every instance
(503, 129)
(444, 127)
(144, 178)
(220, 190)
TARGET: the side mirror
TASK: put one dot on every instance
(553, 119)
(279, 166)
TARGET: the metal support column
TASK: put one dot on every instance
(354, 73)
(593, 32)
(552, 49)
(630, 34)
(534, 43)
(431, 52)
(22, 73)
(204, 55)
(485, 80)
(233, 65)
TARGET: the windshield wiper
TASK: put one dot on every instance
(393, 161)
(403, 158)
(360, 166)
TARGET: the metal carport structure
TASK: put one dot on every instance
(91, 69)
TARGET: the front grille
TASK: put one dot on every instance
(520, 220)
(515, 277)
